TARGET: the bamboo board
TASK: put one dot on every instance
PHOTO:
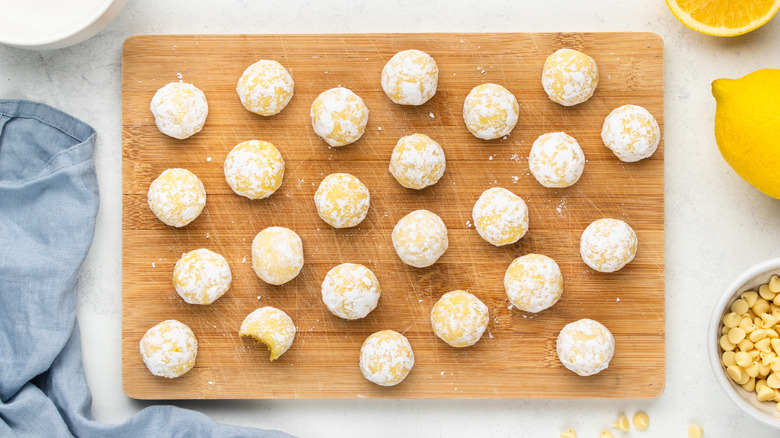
(516, 357)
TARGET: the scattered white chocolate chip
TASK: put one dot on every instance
(695, 431)
(606, 434)
(622, 424)
(569, 434)
(641, 421)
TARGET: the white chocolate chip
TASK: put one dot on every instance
(641, 420)
(622, 424)
(569, 434)
(695, 431)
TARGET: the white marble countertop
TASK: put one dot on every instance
(716, 224)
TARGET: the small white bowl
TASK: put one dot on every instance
(54, 24)
(747, 401)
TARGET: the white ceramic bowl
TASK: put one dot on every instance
(53, 24)
(747, 401)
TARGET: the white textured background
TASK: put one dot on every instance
(716, 224)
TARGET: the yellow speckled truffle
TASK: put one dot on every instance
(608, 244)
(585, 347)
(417, 161)
(410, 77)
(386, 358)
(254, 169)
(350, 291)
(556, 160)
(277, 255)
(459, 318)
(169, 349)
(179, 110)
(533, 282)
(176, 197)
(500, 216)
(270, 326)
(342, 200)
(339, 116)
(490, 111)
(420, 238)
(631, 132)
(201, 276)
(265, 88)
(570, 77)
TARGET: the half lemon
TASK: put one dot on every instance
(724, 17)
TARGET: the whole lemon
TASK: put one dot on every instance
(747, 127)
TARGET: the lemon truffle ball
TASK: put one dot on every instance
(271, 327)
(417, 161)
(342, 200)
(277, 255)
(631, 132)
(459, 318)
(386, 358)
(254, 169)
(339, 116)
(169, 349)
(490, 111)
(201, 276)
(265, 87)
(410, 77)
(350, 291)
(556, 160)
(533, 283)
(500, 216)
(420, 238)
(179, 110)
(608, 244)
(585, 347)
(570, 77)
(176, 197)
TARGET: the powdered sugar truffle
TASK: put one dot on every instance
(265, 87)
(556, 160)
(386, 358)
(631, 132)
(500, 216)
(490, 111)
(201, 276)
(176, 197)
(169, 349)
(417, 161)
(585, 347)
(569, 77)
(179, 109)
(272, 327)
(254, 169)
(342, 200)
(350, 291)
(420, 238)
(410, 77)
(533, 282)
(339, 116)
(277, 255)
(459, 318)
(607, 245)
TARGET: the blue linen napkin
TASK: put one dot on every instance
(48, 204)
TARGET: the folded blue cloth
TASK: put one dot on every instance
(48, 204)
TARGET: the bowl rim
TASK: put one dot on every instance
(731, 292)
(81, 26)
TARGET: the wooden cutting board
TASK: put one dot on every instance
(516, 357)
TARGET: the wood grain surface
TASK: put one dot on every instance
(516, 357)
